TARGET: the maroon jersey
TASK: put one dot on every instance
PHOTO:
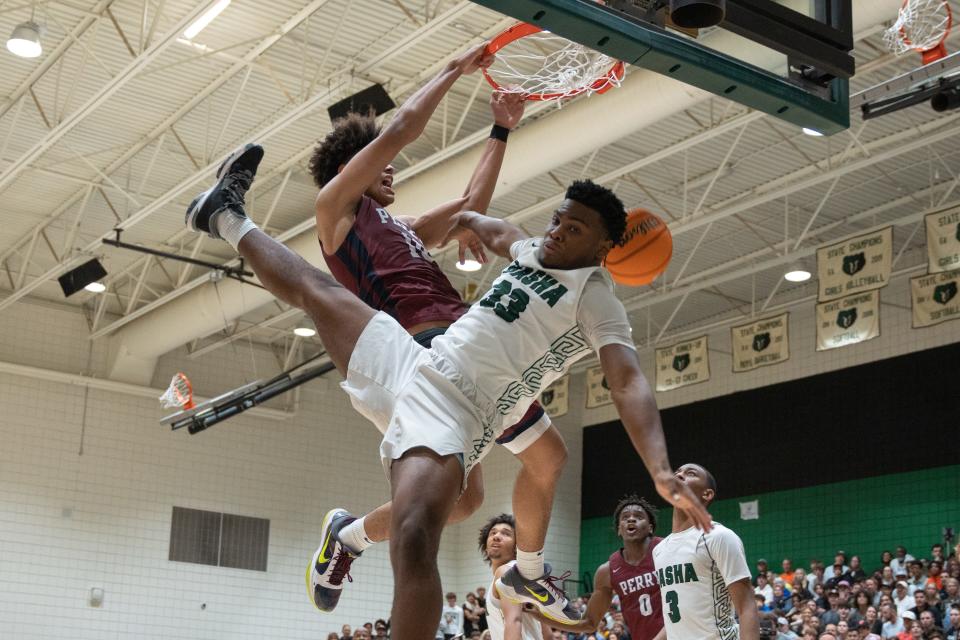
(639, 593)
(385, 264)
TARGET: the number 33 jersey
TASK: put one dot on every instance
(639, 593)
(528, 329)
(694, 570)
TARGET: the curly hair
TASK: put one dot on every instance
(349, 135)
(604, 202)
(630, 500)
(503, 518)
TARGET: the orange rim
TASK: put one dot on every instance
(521, 30)
(939, 50)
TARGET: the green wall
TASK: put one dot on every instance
(861, 517)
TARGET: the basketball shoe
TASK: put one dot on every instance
(234, 177)
(542, 593)
(331, 562)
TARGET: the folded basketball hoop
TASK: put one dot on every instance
(544, 66)
(178, 394)
(922, 25)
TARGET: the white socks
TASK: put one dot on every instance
(354, 536)
(232, 227)
(530, 564)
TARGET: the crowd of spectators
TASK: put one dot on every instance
(904, 598)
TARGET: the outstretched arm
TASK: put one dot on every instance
(638, 411)
(337, 200)
(433, 226)
(495, 234)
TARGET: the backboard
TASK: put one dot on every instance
(788, 58)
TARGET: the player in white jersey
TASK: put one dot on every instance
(441, 408)
(505, 619)
(704, 576)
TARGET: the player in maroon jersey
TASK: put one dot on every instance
(630, 574)
(385, 261)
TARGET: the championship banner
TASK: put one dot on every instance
(935, 298)
(554, 397)
(682, 364)
(848, 320)
(760, 343)
(943, 241)
(598, 393)
(855, 265)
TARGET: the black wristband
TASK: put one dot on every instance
(499, 133)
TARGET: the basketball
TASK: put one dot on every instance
(645, 252)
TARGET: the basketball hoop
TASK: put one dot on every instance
(544, 66)
(178, 394)
(922, 25)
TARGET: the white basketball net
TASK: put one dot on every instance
(921, 26)
(178, 394)
(543, 63)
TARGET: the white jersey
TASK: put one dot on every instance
(529, 625)
(525, 333)
(694, 570)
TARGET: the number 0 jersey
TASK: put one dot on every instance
(694, 570)
(526, 332)
(385, 264)
(639, 593)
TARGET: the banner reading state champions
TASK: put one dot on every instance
(760, 343)
(682, 364)
(848, 320)
(855, 265)
(943, 240)
(935, 298)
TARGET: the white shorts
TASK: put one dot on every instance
(399, 386)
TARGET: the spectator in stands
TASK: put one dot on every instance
(856, 572)
(917, 579)
(873, 621)
(843, 589)
(936, 553)
(808, 634)
(451, 618)
(933, 598)
(361, 633)
(885, 558)
(928, 623)
(862, 602)
(900, 560)
(368, 627)
(922, 605)
(902, 597)
(870, 588)
(935, 574)
(333, 635)
(953, 626)
(346, 633)
(951, 594)
(381, 631)
(763, 588)
(471, 614)
(782, 599)
(761, 569)
(787, 571)
(893, 624)
(482, 601)
(953, 568)
(886, 578)
(799, 590)
(762, 605)
(783, 630)
(837, 569)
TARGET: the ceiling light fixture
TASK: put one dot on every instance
(797, 274)
(209, 16)
(812, 132)
(96, 287)
(82, 277)
(305, 332)
(25, 40)
(469, 265)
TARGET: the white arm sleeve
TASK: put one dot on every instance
(726, 549)
(602, 317)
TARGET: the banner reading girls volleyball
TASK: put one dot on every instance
(760, 343)
(935, 298)
(555, 397)
(848, 320)
(943, 240)
(855, 265)
(682, 364)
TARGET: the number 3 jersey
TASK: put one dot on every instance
(694, 570)
(639, 593)
(526, 332)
